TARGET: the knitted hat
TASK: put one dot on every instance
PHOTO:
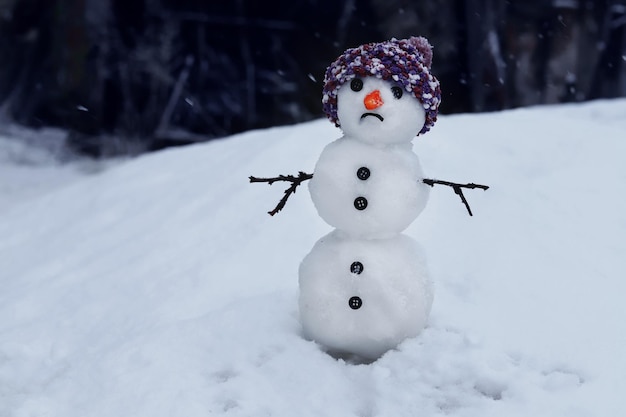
(405, 62)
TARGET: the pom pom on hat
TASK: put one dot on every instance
(405, 62)
(424, 47)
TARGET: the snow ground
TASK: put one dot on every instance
(160, 287)
(34, 162)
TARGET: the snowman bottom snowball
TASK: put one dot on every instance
(364, 296)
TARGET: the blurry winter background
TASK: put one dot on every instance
(142, 281)
(126, 76)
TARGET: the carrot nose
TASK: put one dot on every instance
(373, 100)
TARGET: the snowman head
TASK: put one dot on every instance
(383, 92)
(379, 112)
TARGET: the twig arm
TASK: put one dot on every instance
(295, 181)
(458, 189)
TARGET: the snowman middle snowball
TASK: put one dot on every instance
(364, 288)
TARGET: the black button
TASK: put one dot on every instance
(356, 267)
(397, 91)
(355, 303)
(356, 84)
(360, 203)
(363, 173)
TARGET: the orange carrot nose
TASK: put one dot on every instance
(373, 100)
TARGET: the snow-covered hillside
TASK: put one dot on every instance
(160, 286)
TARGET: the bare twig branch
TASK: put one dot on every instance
(458, 189)
(295, 181)
(174, 97)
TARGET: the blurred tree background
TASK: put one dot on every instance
(128, 76)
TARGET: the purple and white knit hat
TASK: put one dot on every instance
(406, 62)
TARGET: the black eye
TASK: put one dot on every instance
(356, 84)
(397, 91)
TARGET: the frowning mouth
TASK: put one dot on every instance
(364, 115)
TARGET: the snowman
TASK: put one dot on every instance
(364, 287)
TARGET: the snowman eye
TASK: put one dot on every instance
(397, 91)
(356, 84)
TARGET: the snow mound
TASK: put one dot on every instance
(161, 287)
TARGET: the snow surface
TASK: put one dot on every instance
(160, 286)
(34, 162)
